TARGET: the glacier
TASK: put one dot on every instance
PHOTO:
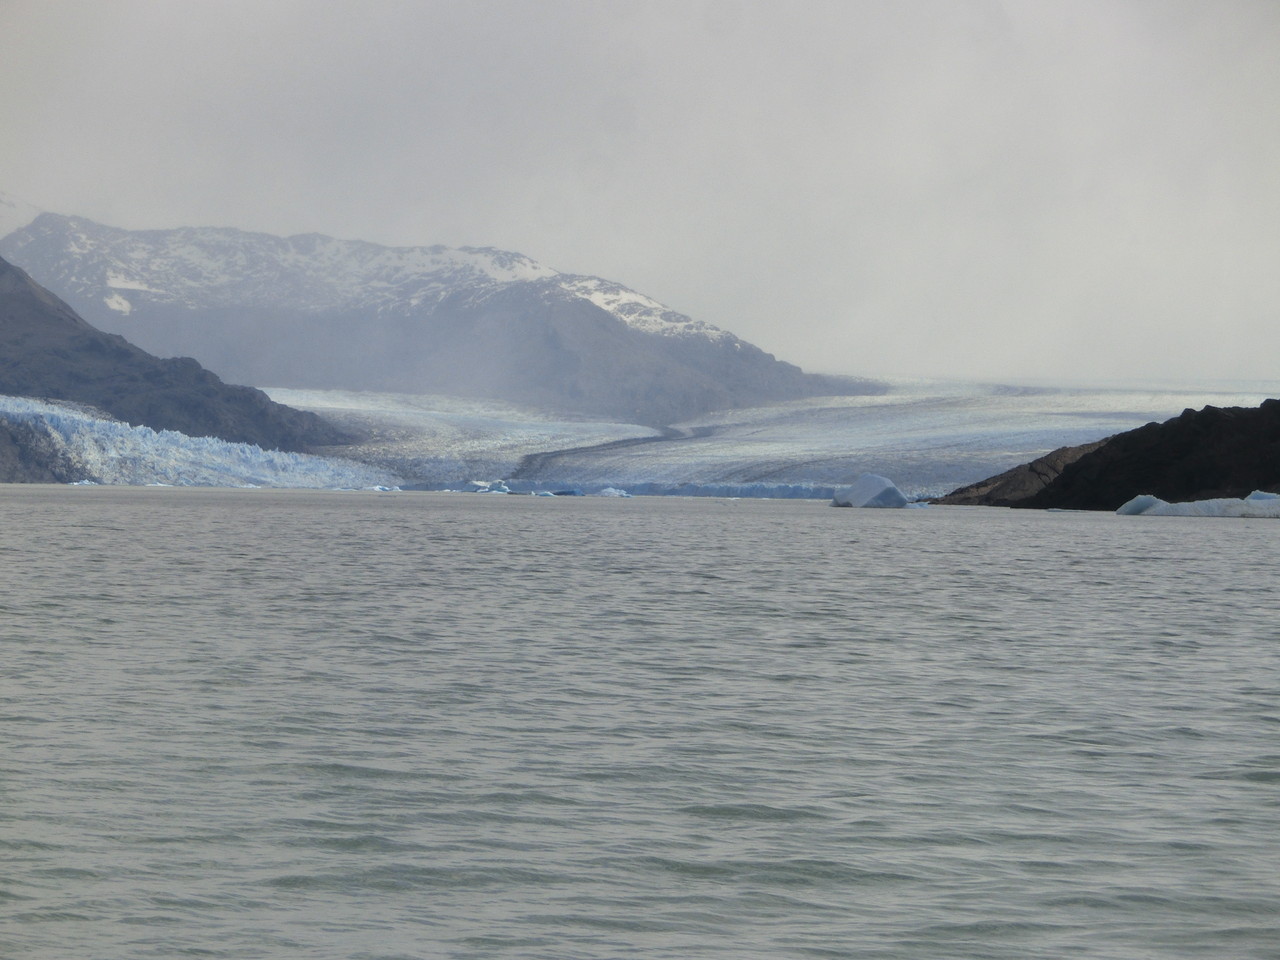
(104, 450)
(929, 436)
(446, 442)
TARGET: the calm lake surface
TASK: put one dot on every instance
(277, 724)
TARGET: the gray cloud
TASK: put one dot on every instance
(1026, 189)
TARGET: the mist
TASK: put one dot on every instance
(1016, 191)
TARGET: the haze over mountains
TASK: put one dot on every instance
(470, 322)
(313, 311)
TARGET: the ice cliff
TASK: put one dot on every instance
(75, 443)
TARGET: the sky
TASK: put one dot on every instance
(1029, 190)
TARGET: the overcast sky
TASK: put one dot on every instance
(1014, 190)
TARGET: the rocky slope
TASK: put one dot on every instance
(312, 311)
(47, 351)
(1019, 483)
(1200, 455)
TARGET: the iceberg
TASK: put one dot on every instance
(1258, 504)
(869, 490)
(486, 486)
(1139, 505)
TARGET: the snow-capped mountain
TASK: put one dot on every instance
(314, 311)
(207, 267)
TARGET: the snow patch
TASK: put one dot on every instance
(119, 304)
(638, 311)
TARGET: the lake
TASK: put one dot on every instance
(283, 724)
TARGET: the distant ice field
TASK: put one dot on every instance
(929, 437)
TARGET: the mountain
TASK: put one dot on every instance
(1201, 455)
(47, 351)
(313, 311)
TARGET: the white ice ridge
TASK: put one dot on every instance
(109, 452)
(870, 490)
(1258, 504)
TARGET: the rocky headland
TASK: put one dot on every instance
(1199, 455)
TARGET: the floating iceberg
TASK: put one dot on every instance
(869, 490)
(1140, 505)
(1258, 504)
(486, 486)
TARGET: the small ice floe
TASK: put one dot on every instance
(612, 492)
(870, 490)
(487, 486)
(1258, 504)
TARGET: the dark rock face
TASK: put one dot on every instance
(1200, 455)
(1214, 452)
(1020, 483)
(47, 351)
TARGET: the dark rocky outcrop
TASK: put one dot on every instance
(47, 351)
(1021, 482)
(1214, 452)
(1200, 455)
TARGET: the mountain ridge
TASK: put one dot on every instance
(315, 311)
(48, 351)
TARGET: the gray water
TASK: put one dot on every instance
(265, 724)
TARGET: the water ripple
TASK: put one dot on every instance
(268, 724)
